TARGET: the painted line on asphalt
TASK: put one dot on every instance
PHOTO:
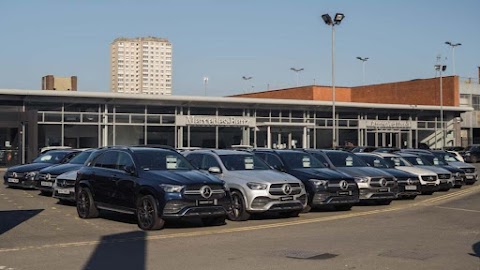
(216, 231)
(458, 209)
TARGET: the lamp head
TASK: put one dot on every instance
(338, 18)
(327, 19)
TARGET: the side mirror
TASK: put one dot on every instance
(326, 164)
(129, 169)
(214, 170)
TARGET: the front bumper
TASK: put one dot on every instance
(335, 198)
(67, 194)
(179, 208)
(19, 182)
(44, 185)
(429, 188)
(263, 204)
(408, 190)
(389, 193)
(470, 178)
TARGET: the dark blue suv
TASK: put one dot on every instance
(152, 183)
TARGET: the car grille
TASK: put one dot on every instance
(376, 182)
(444, 176)
(469, 170)
(277, 189)
(193, 192)
(407, 181)
(63, 183)
(429, 178)
(43, 177)
(19, 175)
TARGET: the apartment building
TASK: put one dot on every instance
(141, 66)
(51, 82)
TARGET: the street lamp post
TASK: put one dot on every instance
(297, 70)
(363, 59)
(440, 69)
(336, 21)
(453, 45)
(245, 78)
(205, 83)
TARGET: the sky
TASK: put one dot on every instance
(225, 40)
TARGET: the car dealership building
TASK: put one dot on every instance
(32, 119)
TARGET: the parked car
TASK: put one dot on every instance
(429, 182)
(64, 186)
(374, 184)
(387, 150)
(471, 153)
(154, 184)
(24, 175)
(46, 177)
(361, 149)
(470, 174)
(325, 187)
(254, 186)
(409, 185)
(456, 155)
(444, 177)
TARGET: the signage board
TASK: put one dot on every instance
(215, 121)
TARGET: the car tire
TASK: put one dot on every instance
(147, 214)
(345, 207)
(213, 221)
(239, 212)
(85, 204)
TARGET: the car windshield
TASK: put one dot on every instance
(418, 161)
(344, 159)
(50, 157)
(80, 158)
(156, 159)
(298, 160)
(243, 162)
(435, 159)
(376, 162)
(397, 161)
(450, 157)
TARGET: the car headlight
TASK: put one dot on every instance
(171, 188)
(319, 183)
(31, 175)
(467, 154)
(361, 180)
(256, 186)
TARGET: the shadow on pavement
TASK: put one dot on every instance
(476, 250)
(13, 218)
(120, 251)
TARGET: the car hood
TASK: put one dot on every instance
(452, 169)
(70, 175)
(319, 173)
(435, 169)
(416, 170)
(179, 177)
(399, 173)
(32, 167)
(363, 171)
(259, 176)
(459, 164)
(61, 168)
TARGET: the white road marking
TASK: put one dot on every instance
(459, 209)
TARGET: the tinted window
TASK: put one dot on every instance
(80, 158)
(296, 160)
(418, 161)
(273, 161)
(124, 161)
(50, 157)
(243, 162)
(344, 159)
(376, 162)
(209, 161)
(106, 160)
(396, 161)
(156, 159)
(433, 160)
(195, 159)
(320, 157)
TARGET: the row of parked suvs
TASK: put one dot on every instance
(158, 184)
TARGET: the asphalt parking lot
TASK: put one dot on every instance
(441, 231)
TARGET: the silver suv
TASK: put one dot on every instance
(255, 187)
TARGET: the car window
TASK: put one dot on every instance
(450, 157)
(298, 160)
(396, 161)
(50, 157)
(418, 161)
(320, 157)
(344, 159)
(376, 162)
(273, 161)
(106, 160)
(124, 161)
(80, 158)
(157, 159)
(208, 162)
(243, 162)
(195, 160)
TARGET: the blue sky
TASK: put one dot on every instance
(226, 40)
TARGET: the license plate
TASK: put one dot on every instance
(209, 202)
(46, 184)
(63, 191)
(12, 180)
(287, 198)
(344, 193)
(469, 176)
(384, 190)
(410, 187)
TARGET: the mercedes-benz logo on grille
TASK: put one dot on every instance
(287, 189)
(383, 182)
(48, 176)
(206, 192)
(14, 175)
(343, 185)
(430, 178)
(409, 181)
(62, 183)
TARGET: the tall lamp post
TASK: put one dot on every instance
(453, 45)
(336, 21)
(245, 78)
(205, 83)
(440, 69)
(297, 70)
(363, 59)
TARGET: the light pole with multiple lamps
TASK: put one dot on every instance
(363, 59)
(336, 21)
(440, 69)
(296, 70)
(453, 45)
(205, 83)
(245, 78)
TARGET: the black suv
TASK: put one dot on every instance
(152, 183)
(471, 154)
(324, 186)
